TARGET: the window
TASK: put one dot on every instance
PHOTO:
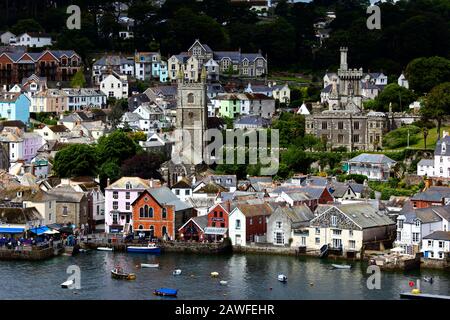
(415, 236)
(400, 224)
(190, 98)
(127, 195)
(278, 238)
(324, 125)
(399, 236)
(441, 244)
(417, 223)
(177, 192)
(238, 224)
(337, 232)
(141, 212)
(352, 244)
(251, 221)
(350, 233)
(303, 241)
(441, 255)
(278, 224)
(115, 195)
(356, 125)
(430, 243)
(115, 205)
(333, 221)
(65, 211)
(317, 230)
(187, 192)
(127, 206)
(128, 186)
(356, 138)
(164, 213)
(340, 138)
(317, 240)
(340, 125)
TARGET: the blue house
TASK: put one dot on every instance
(15, 106)
(163, 72)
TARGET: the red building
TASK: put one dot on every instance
(433, 196)
(255, 219)
(55, 65)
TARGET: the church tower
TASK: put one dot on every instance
(192, 114)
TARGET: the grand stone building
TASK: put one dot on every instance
(345, 123)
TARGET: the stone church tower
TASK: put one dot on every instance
(192, 114)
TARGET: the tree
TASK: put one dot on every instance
(116, 147)
(424, 74)
(109, 170)
(26, 25)
(144, 165)
(400, 98)
(78, 81)
(75, 160)
(437, 105)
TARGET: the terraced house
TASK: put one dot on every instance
(216, 63)
(55, 65)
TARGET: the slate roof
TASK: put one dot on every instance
(253, 120)
(299, 215)
(253, 210)
(439, 235)
(432, 194)
(113, 61)
(357, 187)
(426, 162)
(164, 196)
(339, 190)
(438, 149)
(372, 158)
(201, 221)
(182, 184)
(365, 215)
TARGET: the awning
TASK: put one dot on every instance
(39, 230)
(9, 230)
(215, 231)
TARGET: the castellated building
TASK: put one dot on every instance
(344, 122)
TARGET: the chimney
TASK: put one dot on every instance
(150, 182)
(229, 206)
(108, 182)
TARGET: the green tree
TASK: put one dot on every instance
(78, 80)
(424, 74)
(400, 98)
(75, 160)
(437, 105)
(116, 148)
(26, 25)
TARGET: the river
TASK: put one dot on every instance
(248, 276)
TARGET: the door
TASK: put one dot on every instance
(238, 240)
(337, 243)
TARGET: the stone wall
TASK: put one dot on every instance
(41, 254)
(435, 264)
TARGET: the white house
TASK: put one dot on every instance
(402, 81)
(115, 86)
(182, 189)
(415, 224)
(303, 109)
(237, 227)
(33, 39)
(441, 163)
(374, 166)
(436, 245)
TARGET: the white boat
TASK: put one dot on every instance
(282, 278)
(150, 248)
(341, 266)
(223, 282)
(176, 272)
(214, 274)
(104, 249)
(67, 284)
(149, 265)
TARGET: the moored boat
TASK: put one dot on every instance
(176, 272)
(166, 292)
(104, 249)
(223, 282)
(117, 273)
(149, 265)
(67, 284)
(341, 266)
(282, 278)
(214, 274)
(150, 248)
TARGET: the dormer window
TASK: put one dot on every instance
(128, 185)
(443, 147)
(417, 223)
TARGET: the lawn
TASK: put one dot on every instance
(431, 139)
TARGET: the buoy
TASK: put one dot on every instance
(223, 282)
(214, 274)
(311, 284)
(415, 291)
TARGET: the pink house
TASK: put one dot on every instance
(118, 198)
(31, 143)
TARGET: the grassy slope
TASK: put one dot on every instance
(431, 139)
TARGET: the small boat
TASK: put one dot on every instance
(214, 274)
(282, 278)
(149, 265)
(428, 279)
(341, 266)
(104, 249)
(150, 248)
(117, 273)
(176, 272)
(166, 292)
(223, 282)
(85, 250)
(67, 284)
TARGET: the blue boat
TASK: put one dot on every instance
(166, 292)
(150, 248)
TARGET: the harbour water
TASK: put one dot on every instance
(248, 276)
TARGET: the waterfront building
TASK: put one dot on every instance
(282, 223)
(118, 198)
(347, 229)
(436, 245)
(375, 166)
(71, 206)
(413, 225)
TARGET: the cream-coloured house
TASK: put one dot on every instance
(44, 203)
(350, 227)
(50, 100)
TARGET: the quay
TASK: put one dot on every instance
(33, 253)
(423, 296)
